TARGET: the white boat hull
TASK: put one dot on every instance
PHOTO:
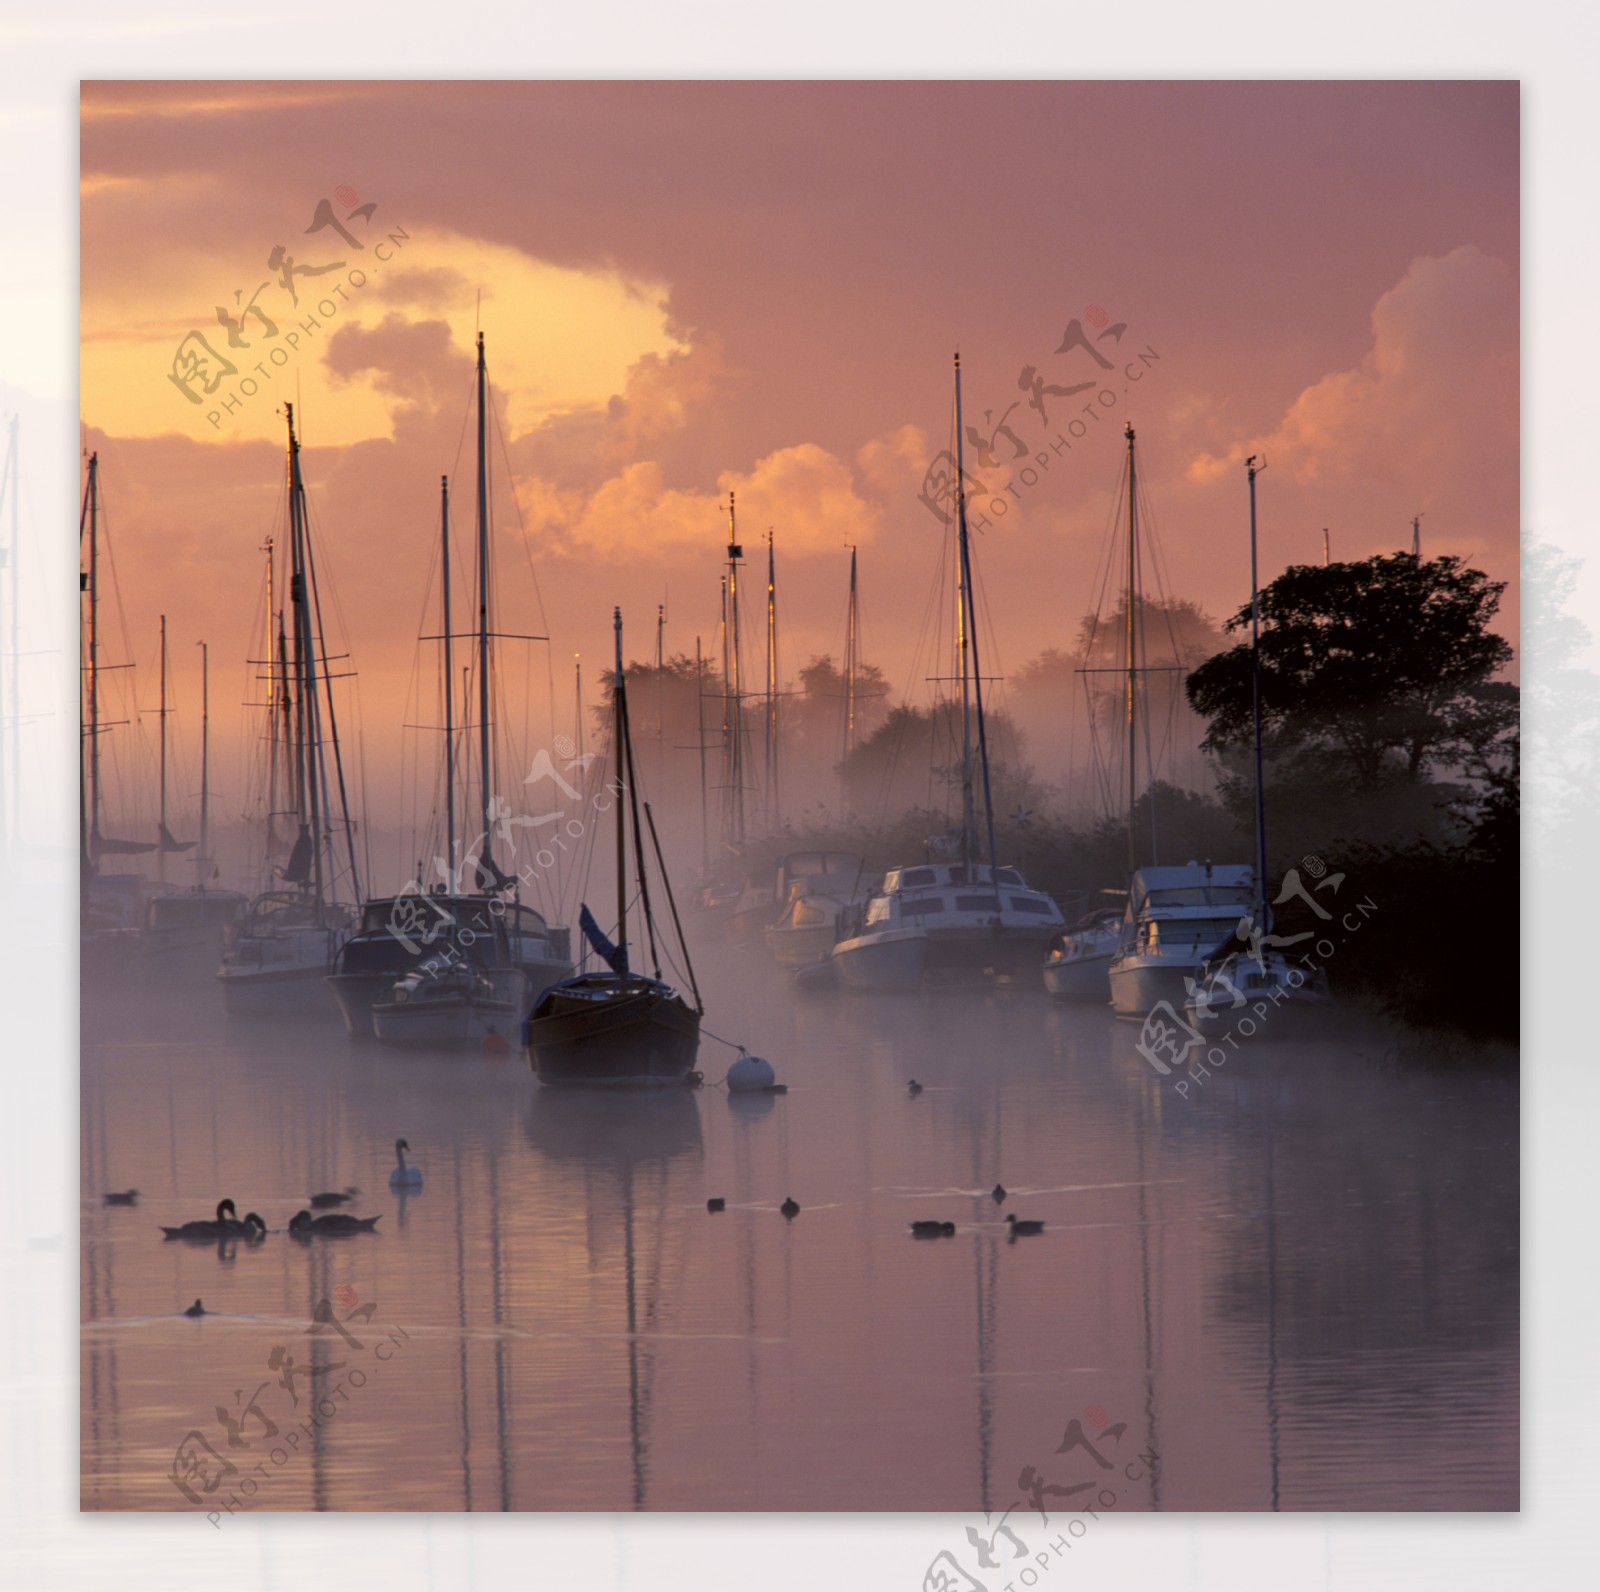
(1081, 978)
(1140, 983)
(892, 960)
(449, 1020)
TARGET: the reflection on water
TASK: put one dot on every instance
(1296, 1288)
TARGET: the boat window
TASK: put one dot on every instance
(1036, 904)
(914, 878)
(878, 910)
(922, 907)
(977, 903)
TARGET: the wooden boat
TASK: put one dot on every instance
(618, 1027)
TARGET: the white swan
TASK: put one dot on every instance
(404, 1176)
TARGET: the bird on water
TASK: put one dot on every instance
(404, 1176)
(790, 1209)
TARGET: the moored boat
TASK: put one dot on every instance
(618, 1027)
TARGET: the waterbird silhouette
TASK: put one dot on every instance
(404, 1176)
(303, 1224)
(789, 1209)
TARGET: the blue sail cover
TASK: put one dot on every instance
(615, 956)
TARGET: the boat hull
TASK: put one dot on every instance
(1140, 983)
(800, 947)
(889, 961)
(1081, 978)
(634, 1033)
(279, 992)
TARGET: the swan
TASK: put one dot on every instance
(322, 1202)
(131, 1197)
(196, 1309)
(303, 1224)
(932, 1229)
(790, 1209)
(225, 1226)
(252, 1228)
(1023, 1229)
(404, 1176)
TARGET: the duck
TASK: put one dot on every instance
(302, 1224)
(404, 1176)
(998, 1193)
(932, 1229)
(322, 1202)
(715, 1205)
(226, 1225)
(790, 1209)
(196, 1309)
(1020, 1229)
(913, 1088)
(128, 1197)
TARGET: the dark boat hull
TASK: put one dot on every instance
(599, 1030)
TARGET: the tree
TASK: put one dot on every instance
(1376, 670)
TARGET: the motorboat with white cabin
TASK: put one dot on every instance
(1175, 917)
(951, 919)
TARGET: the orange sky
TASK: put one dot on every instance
(690, 287)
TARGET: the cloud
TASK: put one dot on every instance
(895, 462)
(1448, 329)
(804, 493)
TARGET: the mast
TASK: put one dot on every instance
(661, 702)
(486, 871)
(850, 665)
(578, 736)
(1324, 546)
(449, 694)
(92, 506)
(618, 730)
(735, 689)
(772, 686)
(161, 850)
(700, 737)
(970, 666)
(1253, 471)
(272, 717)
(307, 737)
(205, 755)
(1416, 536)
(1133, 796)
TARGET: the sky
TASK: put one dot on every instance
(688, 288)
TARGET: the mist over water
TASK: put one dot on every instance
(1295, 1287)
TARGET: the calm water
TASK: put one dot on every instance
(1298, 1287)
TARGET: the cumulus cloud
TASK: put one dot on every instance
(1448, 329)
(806, 494)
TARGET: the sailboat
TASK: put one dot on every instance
(275, 958)
(963, 919)
(619, 1027)
(439, 965)
(1259, 983)
(1174, 914)
(1079, 964)
(112, 904)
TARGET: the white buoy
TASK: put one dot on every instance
(750, 1073)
